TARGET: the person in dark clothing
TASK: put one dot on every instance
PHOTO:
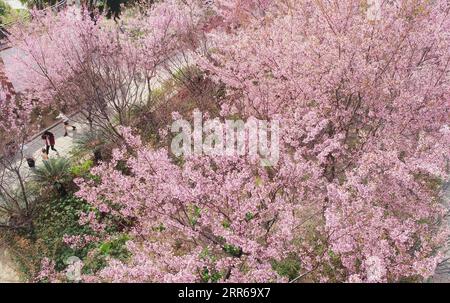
(31, 162)
(49, 139)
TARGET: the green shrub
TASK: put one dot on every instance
(86, 143)
(56, 219)
(54, 173)
(232, 250)
(194, 214)
(289, 267)
(5, 8)
(115, 248)
(82, 169)
(59, 218)
(210, 276)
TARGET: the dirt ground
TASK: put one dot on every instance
(7, 272)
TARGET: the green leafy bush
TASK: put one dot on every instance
(4, 8)
(56, 219)
(232, 250)
(210, 276)
(289, 267)
(82, 169)
(87, 142)
(54, 173)
(60, 218)
(115, 248)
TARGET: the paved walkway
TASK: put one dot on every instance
(34, 147)
(442, 274)
(63, 144)
(8, 273)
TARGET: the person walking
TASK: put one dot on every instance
(65, 120)
(49, 139)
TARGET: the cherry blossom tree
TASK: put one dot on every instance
(105, 71)
(366, 102)
(193, 236)
(16, 201)
(364, 106)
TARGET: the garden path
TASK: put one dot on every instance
(442, 273)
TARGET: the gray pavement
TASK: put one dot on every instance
(8, 273)
(63, 144)
(442, 273)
